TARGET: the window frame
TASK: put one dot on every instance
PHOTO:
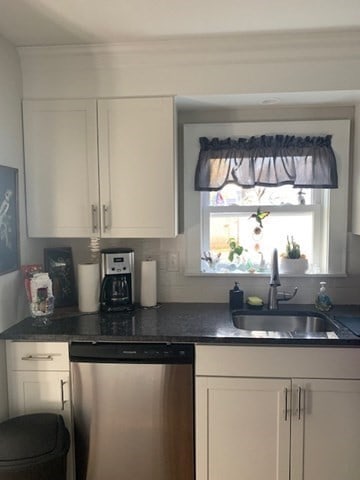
(316, 209)
(335, 201)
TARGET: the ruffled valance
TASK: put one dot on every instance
(269, 161)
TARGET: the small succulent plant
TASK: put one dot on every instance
(292, 249)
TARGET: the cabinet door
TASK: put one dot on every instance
(61, 167)
(326, 430)
(137, 167)
(242, 428)
(39, 391)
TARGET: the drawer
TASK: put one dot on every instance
(37, 356)
(280, 362)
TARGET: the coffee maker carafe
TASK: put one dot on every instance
(117, 284)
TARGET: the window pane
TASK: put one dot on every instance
(258, 243)
(285, 195)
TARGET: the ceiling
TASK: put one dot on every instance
(65, 22)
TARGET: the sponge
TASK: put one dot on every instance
(255, 301)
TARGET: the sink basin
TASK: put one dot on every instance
(300, 322)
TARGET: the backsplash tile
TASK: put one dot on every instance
(174, 286)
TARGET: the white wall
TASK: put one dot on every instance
(266, 64)
(242, 64)
(10, 155)
(12, 299)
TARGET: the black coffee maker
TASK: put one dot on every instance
(117, 280)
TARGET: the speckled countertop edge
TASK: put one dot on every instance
(170, 323)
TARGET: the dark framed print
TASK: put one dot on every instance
(9, 223)
(58, 262)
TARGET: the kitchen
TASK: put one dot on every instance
(167, 68)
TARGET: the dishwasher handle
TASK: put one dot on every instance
(113, 352)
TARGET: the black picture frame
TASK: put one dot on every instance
(58, 262)
(9, 220)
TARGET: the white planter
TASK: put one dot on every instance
(293, 266)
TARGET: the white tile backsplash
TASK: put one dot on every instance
(176, 287)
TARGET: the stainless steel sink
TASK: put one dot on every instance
(299, 322)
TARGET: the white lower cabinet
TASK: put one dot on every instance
(297, 428)
(241, 429)
(39, 382)
(325, 436)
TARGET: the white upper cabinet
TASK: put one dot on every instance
(356, 174)
(125, 186)
(61, 167)
(137, 167)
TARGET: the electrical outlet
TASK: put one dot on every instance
(173, 262)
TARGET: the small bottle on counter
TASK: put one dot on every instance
(236, 297)
(322, 300)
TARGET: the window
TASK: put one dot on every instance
(216, 222)
(230, 215)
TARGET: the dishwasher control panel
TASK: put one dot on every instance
(104, 352)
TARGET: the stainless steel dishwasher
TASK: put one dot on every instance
(133, 411)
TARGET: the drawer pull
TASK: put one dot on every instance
(286, 407)
(94, 218)
(63, 401)
(106, 217)
(38, 357)
(298, 408)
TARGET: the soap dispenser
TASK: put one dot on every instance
(322, 300)
(236, 297)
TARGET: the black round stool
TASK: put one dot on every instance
(34, 447)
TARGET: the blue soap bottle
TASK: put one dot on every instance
(236, 297)
(322, 300)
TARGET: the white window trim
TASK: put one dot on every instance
(338, 198)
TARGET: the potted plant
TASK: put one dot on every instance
(235, 249)
(293, 261)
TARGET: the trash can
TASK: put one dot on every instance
(34, 447)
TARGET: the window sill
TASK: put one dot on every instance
(263, 275)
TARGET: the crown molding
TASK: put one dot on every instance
(217, 49)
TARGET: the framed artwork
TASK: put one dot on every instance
(58, 262)
(9, 223)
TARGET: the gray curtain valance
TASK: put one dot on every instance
(269, 161)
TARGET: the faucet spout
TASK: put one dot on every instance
(274, 296)
(275, 277)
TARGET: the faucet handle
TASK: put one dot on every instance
(285, 296)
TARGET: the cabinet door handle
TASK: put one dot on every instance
(106, 215)
(94, 218)
(298, 408)
(42, 357)
(63, 401)
(286, 397)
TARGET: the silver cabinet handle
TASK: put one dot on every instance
(94, 218)
(286, 396)
(106, 215)
(38, 357)
(298, 407)
(63, 401)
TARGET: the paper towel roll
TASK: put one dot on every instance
(88, 287)
(148, 283)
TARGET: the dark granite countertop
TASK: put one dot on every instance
(176, 323)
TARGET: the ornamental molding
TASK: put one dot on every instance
(324, 45)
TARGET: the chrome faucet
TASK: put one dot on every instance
(274, 296)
